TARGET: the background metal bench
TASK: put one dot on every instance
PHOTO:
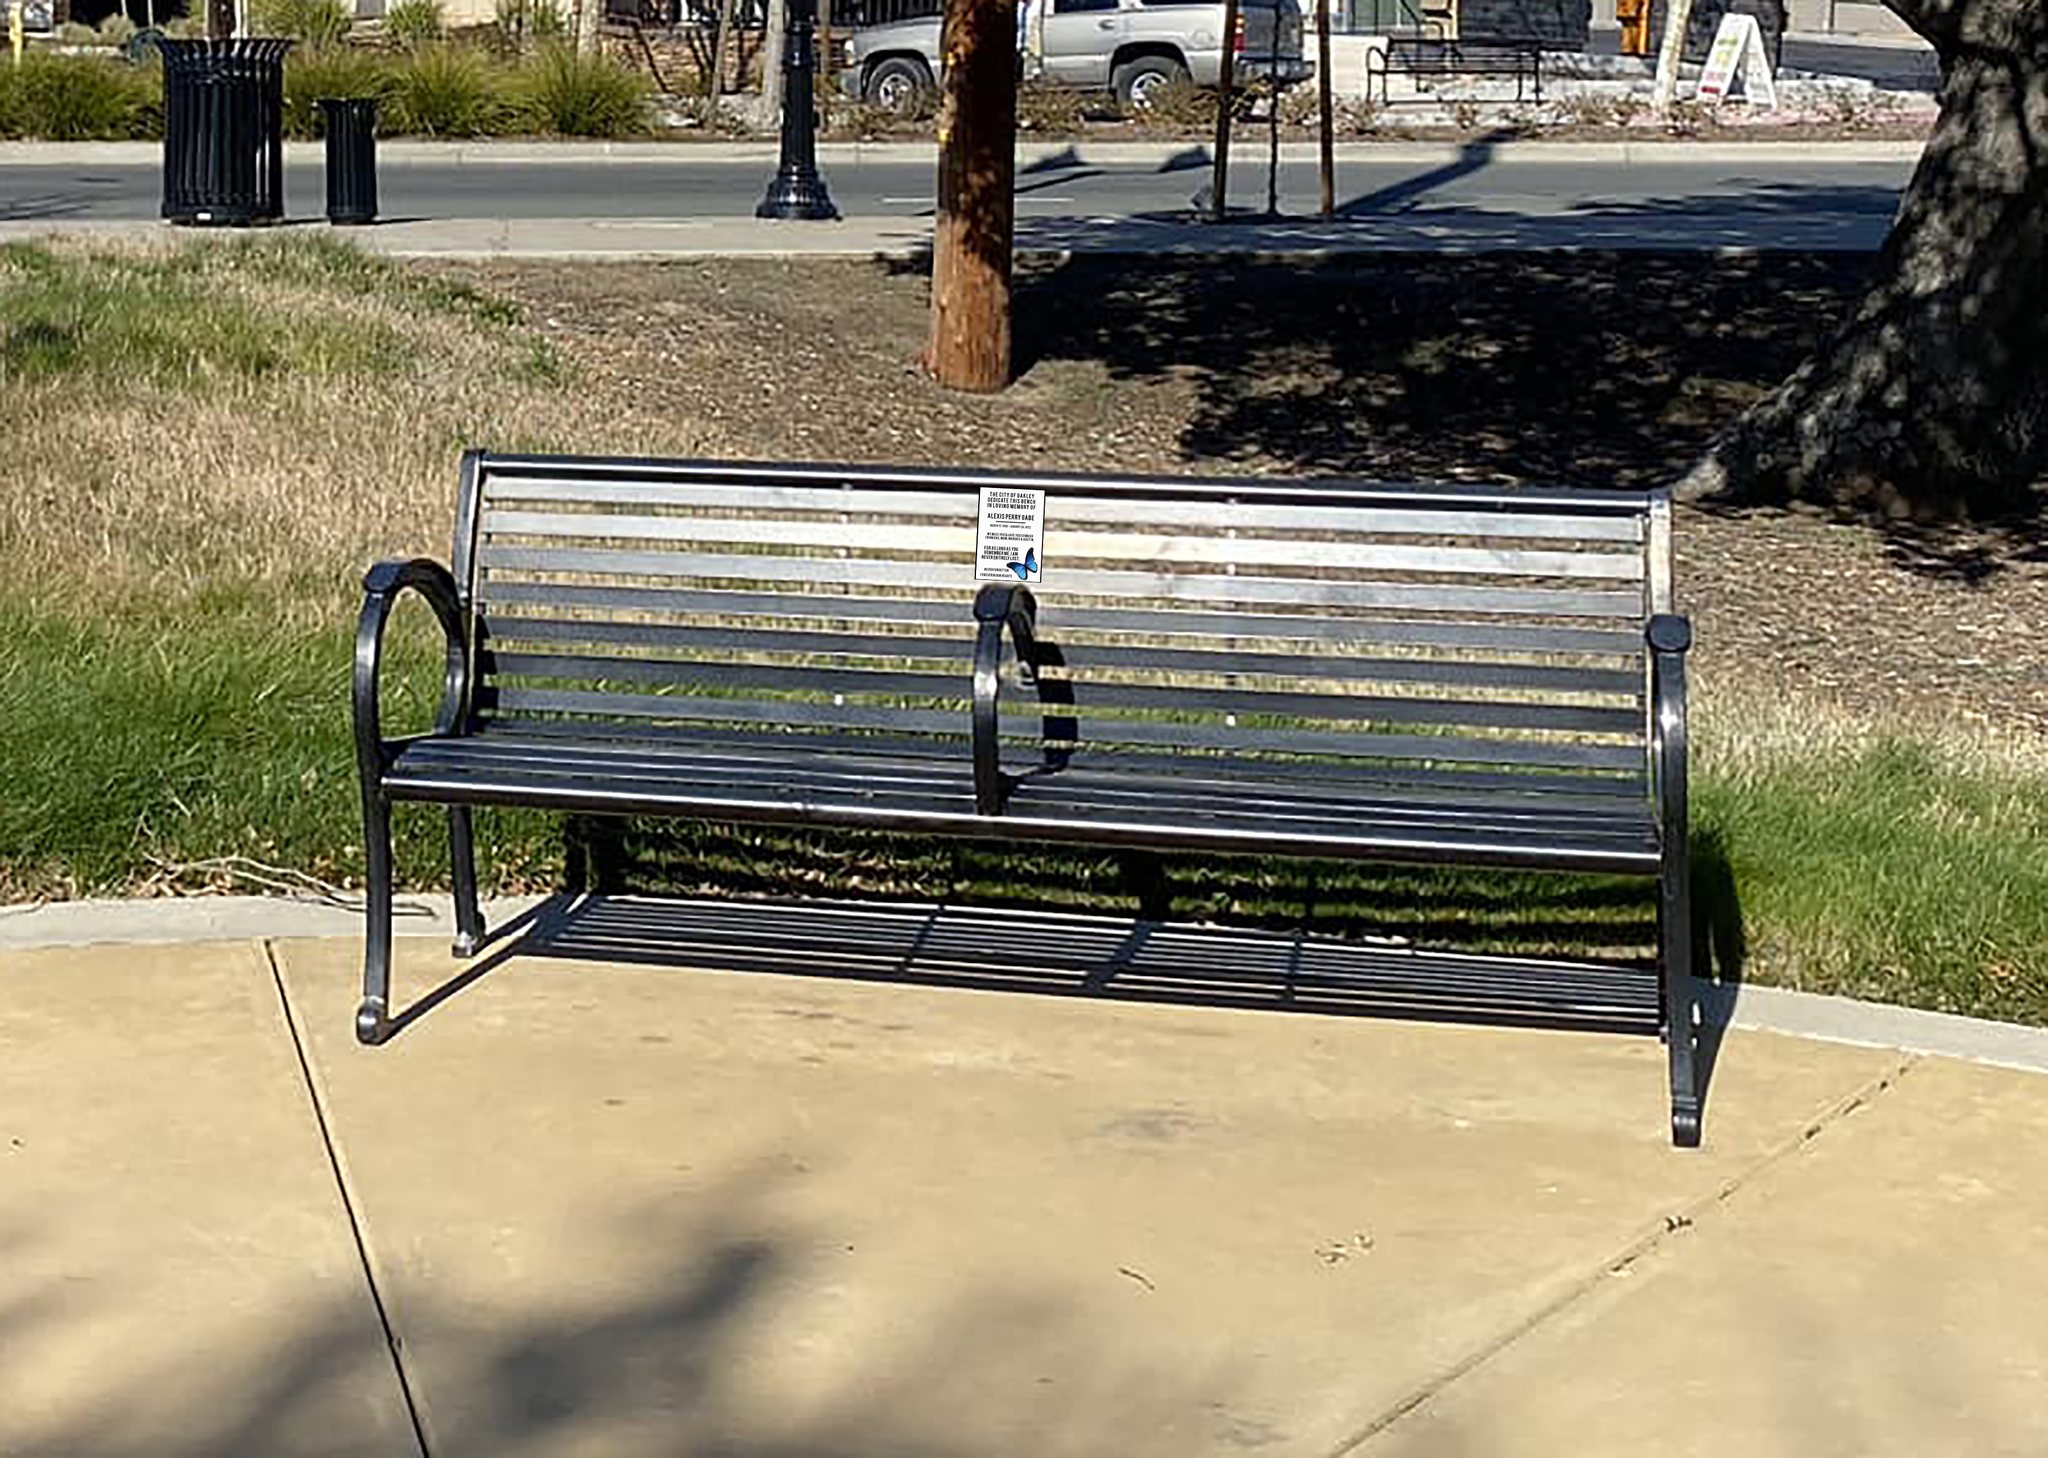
(1437, 55)
(1411, 674)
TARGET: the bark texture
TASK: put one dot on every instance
(1932, 401)
(970, 341)
(721, 48)
(767, 109)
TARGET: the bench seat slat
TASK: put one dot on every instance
(1098, 700)
(1448, 672)
(488, 770)
(703, 707)
(1059, 618)
(1337, 493)
(496, 591)
(1067, 546)
(1079, 788)
(1427, 748)
(1073, 503)
(710, 674)
(1164, 586)
(1079, 657)
(708, 761)
(1093, 698)
(752, 640)
(1456, 749)
(1398, 777)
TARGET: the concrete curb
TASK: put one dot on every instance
(238, 918)
(630, 240)
(1040, 155)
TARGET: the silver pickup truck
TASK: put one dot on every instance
(1130, 47)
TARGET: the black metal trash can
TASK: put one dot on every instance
(351, 159)
(224, 131)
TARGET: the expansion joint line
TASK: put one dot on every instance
(348, 1201)
(1655, 1238)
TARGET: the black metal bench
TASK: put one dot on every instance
(1432, 674)
(1427, 56)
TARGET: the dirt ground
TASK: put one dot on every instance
(1583, 369)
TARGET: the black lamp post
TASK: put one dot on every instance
(797, 190)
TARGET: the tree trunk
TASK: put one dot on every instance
(1932, 401)
(828, 68)
(768, 109)
(589, 26)
(970, 342)
(721, 47)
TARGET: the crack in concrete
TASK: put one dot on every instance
(348, 1202)
(1649, 1241)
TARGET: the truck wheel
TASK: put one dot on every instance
(1136, 81)
(899, 84)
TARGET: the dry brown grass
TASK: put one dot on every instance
(1744, 727)
(152, 462)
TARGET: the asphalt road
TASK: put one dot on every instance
(1776, 201)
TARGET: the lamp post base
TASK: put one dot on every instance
(794, 196)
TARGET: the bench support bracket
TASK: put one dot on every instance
(1670, 637)
(382, 587)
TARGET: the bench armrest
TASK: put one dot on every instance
(1007, 607)
(1670, 637)
(383, 584)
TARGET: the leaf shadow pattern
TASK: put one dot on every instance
(1523, 367)
(669, 1365)
(1582, 368)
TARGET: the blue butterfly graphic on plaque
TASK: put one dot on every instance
(1029, 565)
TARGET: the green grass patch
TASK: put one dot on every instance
(141, 752)
(193, 319)
(138, 750)
(172, 320)
(1894, 870)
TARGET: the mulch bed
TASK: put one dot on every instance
(1581, 368)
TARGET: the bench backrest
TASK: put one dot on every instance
(736, 600)
(1468, 635)
(1430, 634)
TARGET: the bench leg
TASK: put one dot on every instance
(469, 919)
(373, 1018)
(1675, 934)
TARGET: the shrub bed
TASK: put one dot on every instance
(431, 89)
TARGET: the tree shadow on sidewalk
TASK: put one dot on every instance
(675, 1368)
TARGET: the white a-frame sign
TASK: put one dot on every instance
(1738, 52)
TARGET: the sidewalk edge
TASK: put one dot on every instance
(231, 918)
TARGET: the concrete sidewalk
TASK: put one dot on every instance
(1030, 156)
(1448, 231)
(593, 1208)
